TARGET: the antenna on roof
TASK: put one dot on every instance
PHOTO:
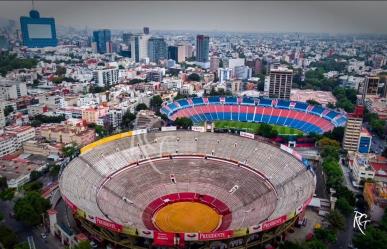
(33, 5)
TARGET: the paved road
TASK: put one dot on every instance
(24, 231)
(347, 177)
(378, 144)
(344, 238)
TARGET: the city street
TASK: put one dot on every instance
(24, 231)
(347, 177)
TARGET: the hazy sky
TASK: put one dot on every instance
(259, 16)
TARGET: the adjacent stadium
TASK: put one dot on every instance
(279, 112)
(186, 189)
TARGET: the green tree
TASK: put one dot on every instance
(337, 134)
(7, 194)
(8, 110)
(83, 245)
(155, 102)
(325, 235)
(30, 208)
(10, 61)
(23, 245)
(141, 106)
(3, 183)
(70, 150)
(315, 244)
(194, 77)
(7, 237)
(373, 238)
(343, 205)
(127, 119)
(33, 186)
(312, 102)
(337, 220)
(266, 130)
(183, 122)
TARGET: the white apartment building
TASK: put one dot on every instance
(12, 90)
(106, 77)
(224, 74)
(21, 133)
(2, 117)
(8, 144)
(361, 169)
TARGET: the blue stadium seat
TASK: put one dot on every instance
(183, 102)
(265, 102)
(248, 101)
(172, 106)
(317, 110)
(283, 104)
(231, 100)
(198, 101)
(214, 100)
(301, 106)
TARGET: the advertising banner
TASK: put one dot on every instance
(164, 239)
(286, 148)
(274, 223)
(215, 235)
(108, 225)
(168, 128)
(198, 128)
(246, 134)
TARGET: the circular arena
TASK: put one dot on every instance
(181, 187)
(294, 114)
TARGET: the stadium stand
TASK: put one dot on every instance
(298, 115)
(127, 180)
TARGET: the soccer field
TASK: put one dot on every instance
(253, 127)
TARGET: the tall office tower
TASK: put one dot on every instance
(172, 53)
(38, 32)
(214, 63)
(181, 53)
(188, 51)
(139, 47)
(157, 49)
(370, 86)
(102, 39)
(353, 129)
(281, 79)
(126, 38)
(146, 30)
(4, 44)
(202, 48)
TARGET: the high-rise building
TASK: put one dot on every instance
(157, 49)
(188, 51)
(126, 38)
(181, 53)
(12, 89)
(4, 44)
(102, 39)
(146, 30)
(214, 63)
(224, 74)
(281, 79)
(353, 129)
(172, 53)
(370, 87)
(139, 47)
(202, 48)
(242, 72)
(38, 32)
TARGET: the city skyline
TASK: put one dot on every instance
(243, 16)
